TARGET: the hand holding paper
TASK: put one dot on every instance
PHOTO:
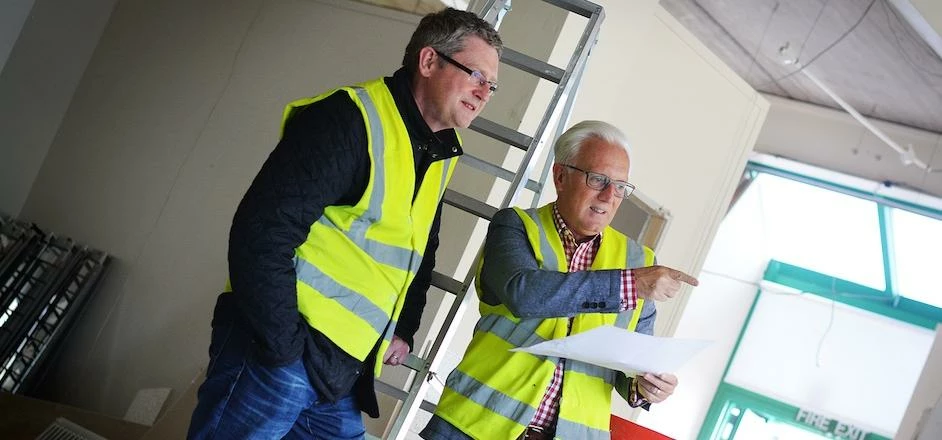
(621, 350)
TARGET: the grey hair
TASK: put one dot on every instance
(570, 142)
(445, 31)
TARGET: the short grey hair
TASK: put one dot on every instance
(570, 142)
(445, 31)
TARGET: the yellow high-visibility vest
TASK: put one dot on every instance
(494, 393)
(357, 262)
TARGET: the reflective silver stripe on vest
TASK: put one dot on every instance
(390, 331)
(635, 254)
(349, 299)
(549, 257)
(624, 318)
(489, 398)
(567, 430)
(521, 334)
(445, 167)
(400, 258)
(595, 371)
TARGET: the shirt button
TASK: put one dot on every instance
(586, 305)
(602, 304)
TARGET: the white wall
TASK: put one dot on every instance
(928, 392)
(44, 48)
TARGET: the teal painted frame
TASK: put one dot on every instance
(863, 297)
(729, 396)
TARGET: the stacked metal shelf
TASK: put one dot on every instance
(44, 282)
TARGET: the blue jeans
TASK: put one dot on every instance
(241, 399)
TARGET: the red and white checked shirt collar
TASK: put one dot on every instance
(579, 256)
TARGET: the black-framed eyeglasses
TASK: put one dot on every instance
(475, 76)
(599, 182)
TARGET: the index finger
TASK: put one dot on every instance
(680, 276)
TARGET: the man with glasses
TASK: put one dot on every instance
(332, 248)
(548, 273)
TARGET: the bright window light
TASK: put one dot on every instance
(918, 250)
(822, 230)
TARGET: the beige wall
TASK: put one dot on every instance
(45, 46)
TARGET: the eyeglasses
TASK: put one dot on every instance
(599, 182)
(476, 76)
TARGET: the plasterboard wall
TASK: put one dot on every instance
(45, 46)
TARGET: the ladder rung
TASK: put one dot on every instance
(581, 7)
(495, 170)
(414, 362)
(501, 133)
(469, 204)
(446, 283)
(532, 65)
(398, 394)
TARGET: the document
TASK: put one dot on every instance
(618, 349)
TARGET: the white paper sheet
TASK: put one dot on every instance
(617, 349)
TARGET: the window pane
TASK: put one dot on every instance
(822, 230)
(917, 243)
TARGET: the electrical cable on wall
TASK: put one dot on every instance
(907, 155)
(817, 355)
(802, 67)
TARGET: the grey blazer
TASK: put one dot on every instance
(510, 276)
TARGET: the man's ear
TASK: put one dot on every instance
(427, 61)
(558, 172)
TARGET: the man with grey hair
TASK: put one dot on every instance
(548, 273)
(332, 248)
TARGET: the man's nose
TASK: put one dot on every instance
(607, 194)
(483, 93)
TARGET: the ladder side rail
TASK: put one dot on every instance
(560, 127)
(564, 89)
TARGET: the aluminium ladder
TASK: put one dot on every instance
(558, 111)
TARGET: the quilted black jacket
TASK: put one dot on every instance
(321, 160)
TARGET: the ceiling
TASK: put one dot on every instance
(864, 50)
